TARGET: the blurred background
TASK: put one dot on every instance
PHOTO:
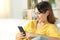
(14, 13)
(24, 9)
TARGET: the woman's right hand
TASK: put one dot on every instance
(19, 36)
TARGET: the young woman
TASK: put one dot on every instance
(43, 25)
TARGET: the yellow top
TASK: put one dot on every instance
(46, 30)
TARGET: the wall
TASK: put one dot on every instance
(17, 7)
(58, 7)
(4, 8)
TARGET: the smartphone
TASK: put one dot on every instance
(22, 30)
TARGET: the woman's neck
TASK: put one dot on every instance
(40, 24)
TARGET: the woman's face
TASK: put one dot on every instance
(40, 16)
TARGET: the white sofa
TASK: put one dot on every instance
(9, 28)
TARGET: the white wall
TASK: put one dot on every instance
(17, 7)
(58, 7)
(4, 8)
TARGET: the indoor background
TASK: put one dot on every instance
(14, 13)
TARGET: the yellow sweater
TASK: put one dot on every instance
(46, 30)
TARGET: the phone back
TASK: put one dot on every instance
(22, 30)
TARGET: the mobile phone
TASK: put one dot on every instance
(22, 30)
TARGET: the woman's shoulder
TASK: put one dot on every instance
(52, 25)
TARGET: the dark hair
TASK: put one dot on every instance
(43, 7)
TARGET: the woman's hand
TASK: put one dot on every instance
(19, 36)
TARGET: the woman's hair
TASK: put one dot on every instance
(43, 7)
